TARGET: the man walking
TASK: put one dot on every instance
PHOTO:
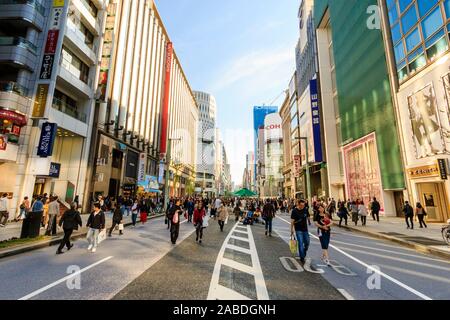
(299, 227)
(268, 215)
(375, 207)
(409, 215)
(4, 213)
(53, 211)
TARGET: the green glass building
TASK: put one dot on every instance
(369, 140)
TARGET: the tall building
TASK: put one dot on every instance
(146, 106)
(355, 81)
(206, 144)
(48, 56)
(259, 115)
(418, 50)
(288, 160)
(249, 172)
(273, 155)
(310, 115)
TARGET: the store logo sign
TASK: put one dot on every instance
(47, 139)
(55, 169)
(40, 101)
(443, 168)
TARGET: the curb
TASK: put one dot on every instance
(56, 240)
(410, 244)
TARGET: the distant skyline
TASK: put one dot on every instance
(242, 52)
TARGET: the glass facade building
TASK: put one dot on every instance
(419, 33)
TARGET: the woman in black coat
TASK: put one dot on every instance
(70, 221)
(116, 220)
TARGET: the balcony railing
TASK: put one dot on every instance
(34, 3)
(89, 8)
(18, 41)
(10, 86)
(68, 109)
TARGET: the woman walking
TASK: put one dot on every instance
(362, 211)
(421, 214)
(174, 218)
(354, 210)
(323, 224)
(116, 220)
(237, 212)
(69, 221)
(199, 215)
(134, 212)
(222, 214)
(95, 223)
(143, 208)
(25, 207)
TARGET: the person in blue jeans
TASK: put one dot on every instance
(299, 227)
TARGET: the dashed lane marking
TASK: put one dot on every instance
(218, 291)
(346, 294)
(372, 269)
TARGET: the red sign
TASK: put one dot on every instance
(52, 41)
(273, 126)
(15, 130)
(165, 110)
(14, 117)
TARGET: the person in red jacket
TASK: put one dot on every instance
(199, 215)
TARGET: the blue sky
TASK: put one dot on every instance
(240, 51)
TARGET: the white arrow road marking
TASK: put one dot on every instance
(37, 292)
(386, 276)
(217, 291)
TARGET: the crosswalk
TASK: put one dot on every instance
(240, 240)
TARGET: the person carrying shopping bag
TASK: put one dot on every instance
(222, 214)
(96, 224)
(117, 221)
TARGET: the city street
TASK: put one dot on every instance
(240, 263)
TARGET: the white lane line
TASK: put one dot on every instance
(346, 294)
(237, 265)
(261, 289)
(228, 294)
(239, 238)
(240, 249)
(391, 251)
(37, 292)
(401, 284)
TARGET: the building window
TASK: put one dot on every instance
(74, 65)
(419, 33)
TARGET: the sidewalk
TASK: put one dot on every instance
(13, 229)
(427, 240)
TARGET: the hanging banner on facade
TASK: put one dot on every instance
(40, 101)
(142, 165)
(56, 18)
(316, 120)
(161, 173)
(297, 166)
(47, 139)
(165, 110)
(47, 67)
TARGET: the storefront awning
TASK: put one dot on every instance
(13, 116)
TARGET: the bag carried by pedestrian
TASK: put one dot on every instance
(175, 218)
(293, 246)
(101, 236)
(121, 227)
(205, 223)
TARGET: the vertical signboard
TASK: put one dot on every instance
(297, 166)
(316, 120)
(165, 110)
(141, 166)
(443, 168)
(40, 101)
(47, 139)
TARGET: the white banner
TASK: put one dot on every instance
(142, 165)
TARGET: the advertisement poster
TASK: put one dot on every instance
(425, 123)
(3, 142)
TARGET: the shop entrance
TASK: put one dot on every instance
(39, 186)
(432, 197)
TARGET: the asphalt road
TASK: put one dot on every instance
(239, 263)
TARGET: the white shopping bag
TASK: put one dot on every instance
(101, 236)
(226, 220)
(205, 222)
(121, 227)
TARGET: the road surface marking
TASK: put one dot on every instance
(37, 292)
(217, 291)
(401, 284)
(346, 294)
(416, 273)
(284, 262)
(390, 251)
(397, 259)
(240, 249)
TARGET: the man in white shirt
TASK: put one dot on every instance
(53, 212)
(4, 213)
